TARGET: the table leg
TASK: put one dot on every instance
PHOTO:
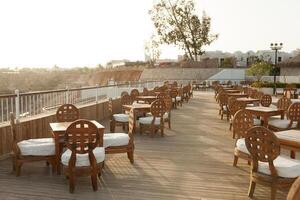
(266, 121)
(57, 153)
(134, 121)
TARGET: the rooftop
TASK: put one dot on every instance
(193, 161)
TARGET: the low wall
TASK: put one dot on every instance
(38, 126)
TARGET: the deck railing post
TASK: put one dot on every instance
(97, 87)
(17, 102)
(67, 94)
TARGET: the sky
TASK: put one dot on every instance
(77, 33)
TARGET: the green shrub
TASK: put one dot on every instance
(260, 84)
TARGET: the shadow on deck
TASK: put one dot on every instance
(193, 161)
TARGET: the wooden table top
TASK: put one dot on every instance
(248, 100)
(146, 97)
(237, 95)
(232, 91)
(137, 106)
(62, 126)
(289, 138)
(263, 109)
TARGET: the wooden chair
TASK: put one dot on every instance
(156, 121)
(266, 100)
(118, 119)
(223, 103)
(294, 193)
(25, 151)
(85, 154)
(124, 93)
(268, 167)
(242, 121)
(167, 115)
(283, 103)
(292, 121)
(121, 142)
(173, 94)
(145, 91)
(134, 93)
(180, 97)
(233, 107)
(67, 113)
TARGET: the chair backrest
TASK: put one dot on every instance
(234, 105)
(126, 100)
(67, 113)
(82, 136)
(175, 84)
(173, 93)
(284, 103)
(123, 93)
(263, 146)
(134, 93)
(158, 108)
(223, 99)
(294, 193)
(145, 91)
(110, 108)
(242, 121)
(293, 112)
(168, 103)
(162, 95)
(266, 100)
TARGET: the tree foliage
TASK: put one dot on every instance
(152, 49)
(259, 69)
(177, 23)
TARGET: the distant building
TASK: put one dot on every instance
(116, 63)
(290, 67)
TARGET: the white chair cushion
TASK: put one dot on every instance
(166, 115)
(256, 122)
(286, 167)
(148, 120)
(37, 147)
(282, 123)
(115, 139)
(83, 159)
(250, 105)
(121, 117)
(241, 145)
(178, 98)
(225, 108)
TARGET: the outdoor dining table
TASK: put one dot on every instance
(232, 91)
(137, 108)
(248, 100)
(58, 132)
(289, 139)
(265, 113)
(147, 99)
(236, 95)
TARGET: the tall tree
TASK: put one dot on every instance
(152, 50)
(177, 22)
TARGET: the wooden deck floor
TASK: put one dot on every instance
(193, 161)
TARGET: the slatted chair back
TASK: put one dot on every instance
(173, 93)
(234, 105)
(266, 100)
(81, 137)
(162, 95)
(258, 95)
(156, 89)
(145, 91)
(124, 93)
(180, 92)
(242, 121)
(294, 193)
(163, 88)
(223, 99)
(293, 113)
(134, 93)
(67, 113)
(151, 93)
(168, 103)
(110, 108)
(263, 146)
(126, 100)
(175, 84)
(158, 108)
(253, 93)
(284, 103)
(246, 91)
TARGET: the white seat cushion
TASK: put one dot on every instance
(83, 159)
(282, 123)
(241, 145)
(166, 115)
(115, 139)
(178, 98)
(256, 122)
(37, 147)
(148, 120)
(286, 167)
(121, 117)
(250, 105)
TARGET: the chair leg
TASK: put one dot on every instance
(169, 123)
(94, 182)
(162, 131)
(235, 160)
(13, 160)
(71, 183)
(251, 188)
(130, 156)
(141, 129)
(18, 168)
(273, 192)
(230, 126)
(112, 126)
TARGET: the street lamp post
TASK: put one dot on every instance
(276, 47)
